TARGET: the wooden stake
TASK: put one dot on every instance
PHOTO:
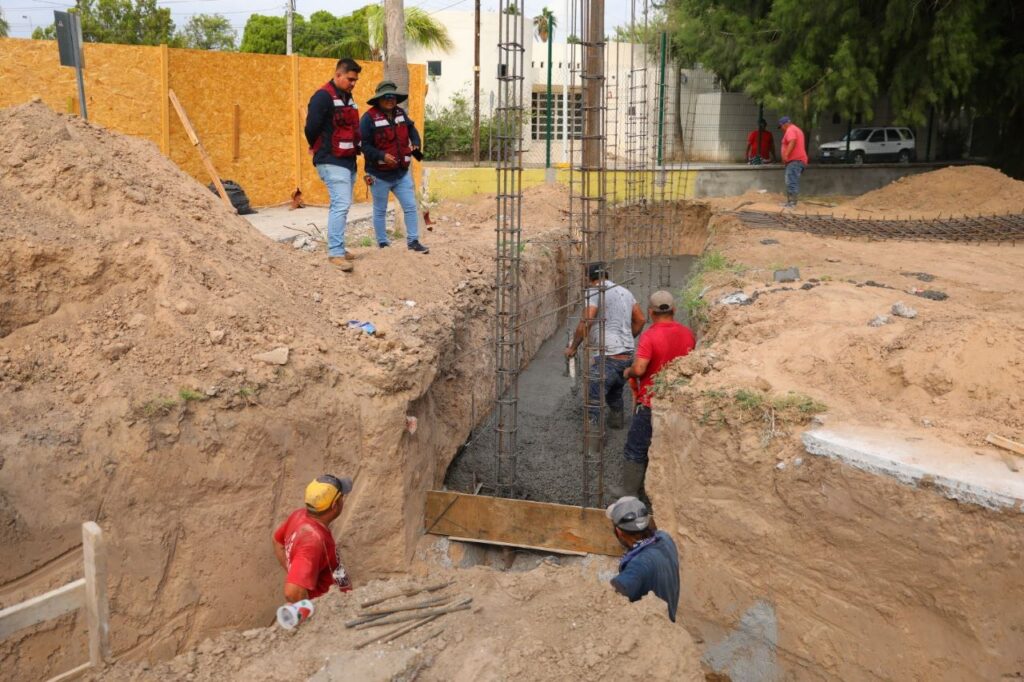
(407, 592)
(1006, 444)
(207, 162)
(236, 137)
(97, 609)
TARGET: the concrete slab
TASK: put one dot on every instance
(282, 224)
(956, 472)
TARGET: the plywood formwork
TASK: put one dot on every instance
(249, 109)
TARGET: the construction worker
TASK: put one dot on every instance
(651, 561)
(760, 145)
(662, 342)
(794, 158)
(623, 321)
(304, 545)
(390, 142)
(332, 131)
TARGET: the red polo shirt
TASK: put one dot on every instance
(310, 551)
(661, 343)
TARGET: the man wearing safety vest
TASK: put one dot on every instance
(332, 131)
(390, 141)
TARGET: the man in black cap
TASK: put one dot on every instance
(651, 562)
(390, 141)
(304, 546)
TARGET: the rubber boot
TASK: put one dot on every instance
(632, 480)
(615, 419)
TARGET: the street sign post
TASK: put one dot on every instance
(69, 44)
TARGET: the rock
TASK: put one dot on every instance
(808, 286)
(900, 309)
(879, 321)
(317, 297)
(278, 356)
(217, 335)
(137, 320)
(923, 276)
(833, 260)
(736, 298)
(114, 351)
(932, 294)
(185, 307)
(787, 275)
(768, 242)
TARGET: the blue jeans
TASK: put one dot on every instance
(339, 181)
(793, 171)
(611, 391)
(638, 440)
(405, 192)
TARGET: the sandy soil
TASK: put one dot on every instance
(133, 316)
(551, 623)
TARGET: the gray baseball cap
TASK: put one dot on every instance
(662, 301)
(629, 514)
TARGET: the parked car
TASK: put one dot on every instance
(872, 144)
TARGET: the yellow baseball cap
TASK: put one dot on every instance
(322, 491)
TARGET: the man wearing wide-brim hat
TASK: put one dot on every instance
(390, 141)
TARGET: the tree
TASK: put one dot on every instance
(4, 26)
(207, 32)
(542, 21)
(120, 21)
(420, 31)
(396, 64)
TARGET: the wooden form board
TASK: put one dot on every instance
(520, 523)
(197, 143)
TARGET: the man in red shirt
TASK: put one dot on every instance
(760, 145)
(662, 342)
(304, 545)
(794, 157)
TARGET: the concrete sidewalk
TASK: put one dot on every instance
(282, 224)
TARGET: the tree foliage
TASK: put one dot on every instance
(542, 22)
(813, 58)
(448, 130)
(207, 32)
(4, 26)
(128, 22)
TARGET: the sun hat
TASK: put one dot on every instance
(662, 301)
(323, 490)
(387, 88)
(629, 514)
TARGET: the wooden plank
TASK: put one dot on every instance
(165, 108)
(553, 550)
(1006, 444)
(542, 525)
(42, 608)
(72, 674)
(236, 133)
(97, 609)
(194, 138)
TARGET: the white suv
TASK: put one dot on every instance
(872, 144)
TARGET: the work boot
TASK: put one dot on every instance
(632, 480)
(344, 264)
(415, 245)
(615, 419)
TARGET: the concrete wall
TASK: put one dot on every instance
(263, 149)
(817, 179)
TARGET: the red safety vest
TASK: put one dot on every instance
(391, 138)
(345, 125)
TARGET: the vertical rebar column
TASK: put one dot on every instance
(665, 231)
(588, 211)
(638, 167)
(509, 116)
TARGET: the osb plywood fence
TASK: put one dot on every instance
(248, 109)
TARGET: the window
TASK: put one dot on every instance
(907, 135)
(877, 136)
(433, 68)
(539, 121)
(891, 135)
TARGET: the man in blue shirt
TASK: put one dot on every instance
(651, 562)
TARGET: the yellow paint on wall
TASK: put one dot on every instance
(125, 92)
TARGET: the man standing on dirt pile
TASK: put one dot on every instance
(390, 141)
(623, 321)
(332, 131)
(664, 341)
(794, 158)
(304, 546)
(651, 562)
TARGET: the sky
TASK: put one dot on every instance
(24, 15)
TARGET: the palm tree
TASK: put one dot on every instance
(3, 25)
(420, 31)
(542, 21)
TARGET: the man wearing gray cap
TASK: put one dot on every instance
(662, 342)
(651, 561)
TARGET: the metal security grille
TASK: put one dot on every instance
(995, 228)
(559, 129)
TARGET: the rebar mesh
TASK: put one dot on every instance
(992, 228)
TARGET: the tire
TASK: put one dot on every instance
(858, 158)
(904, 156)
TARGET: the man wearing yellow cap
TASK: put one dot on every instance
(304, 545)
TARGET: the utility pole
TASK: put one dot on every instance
(476, 85)
(289, 11)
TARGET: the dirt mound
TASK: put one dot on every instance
(136, 311)
(952, 190)
(551, 623)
